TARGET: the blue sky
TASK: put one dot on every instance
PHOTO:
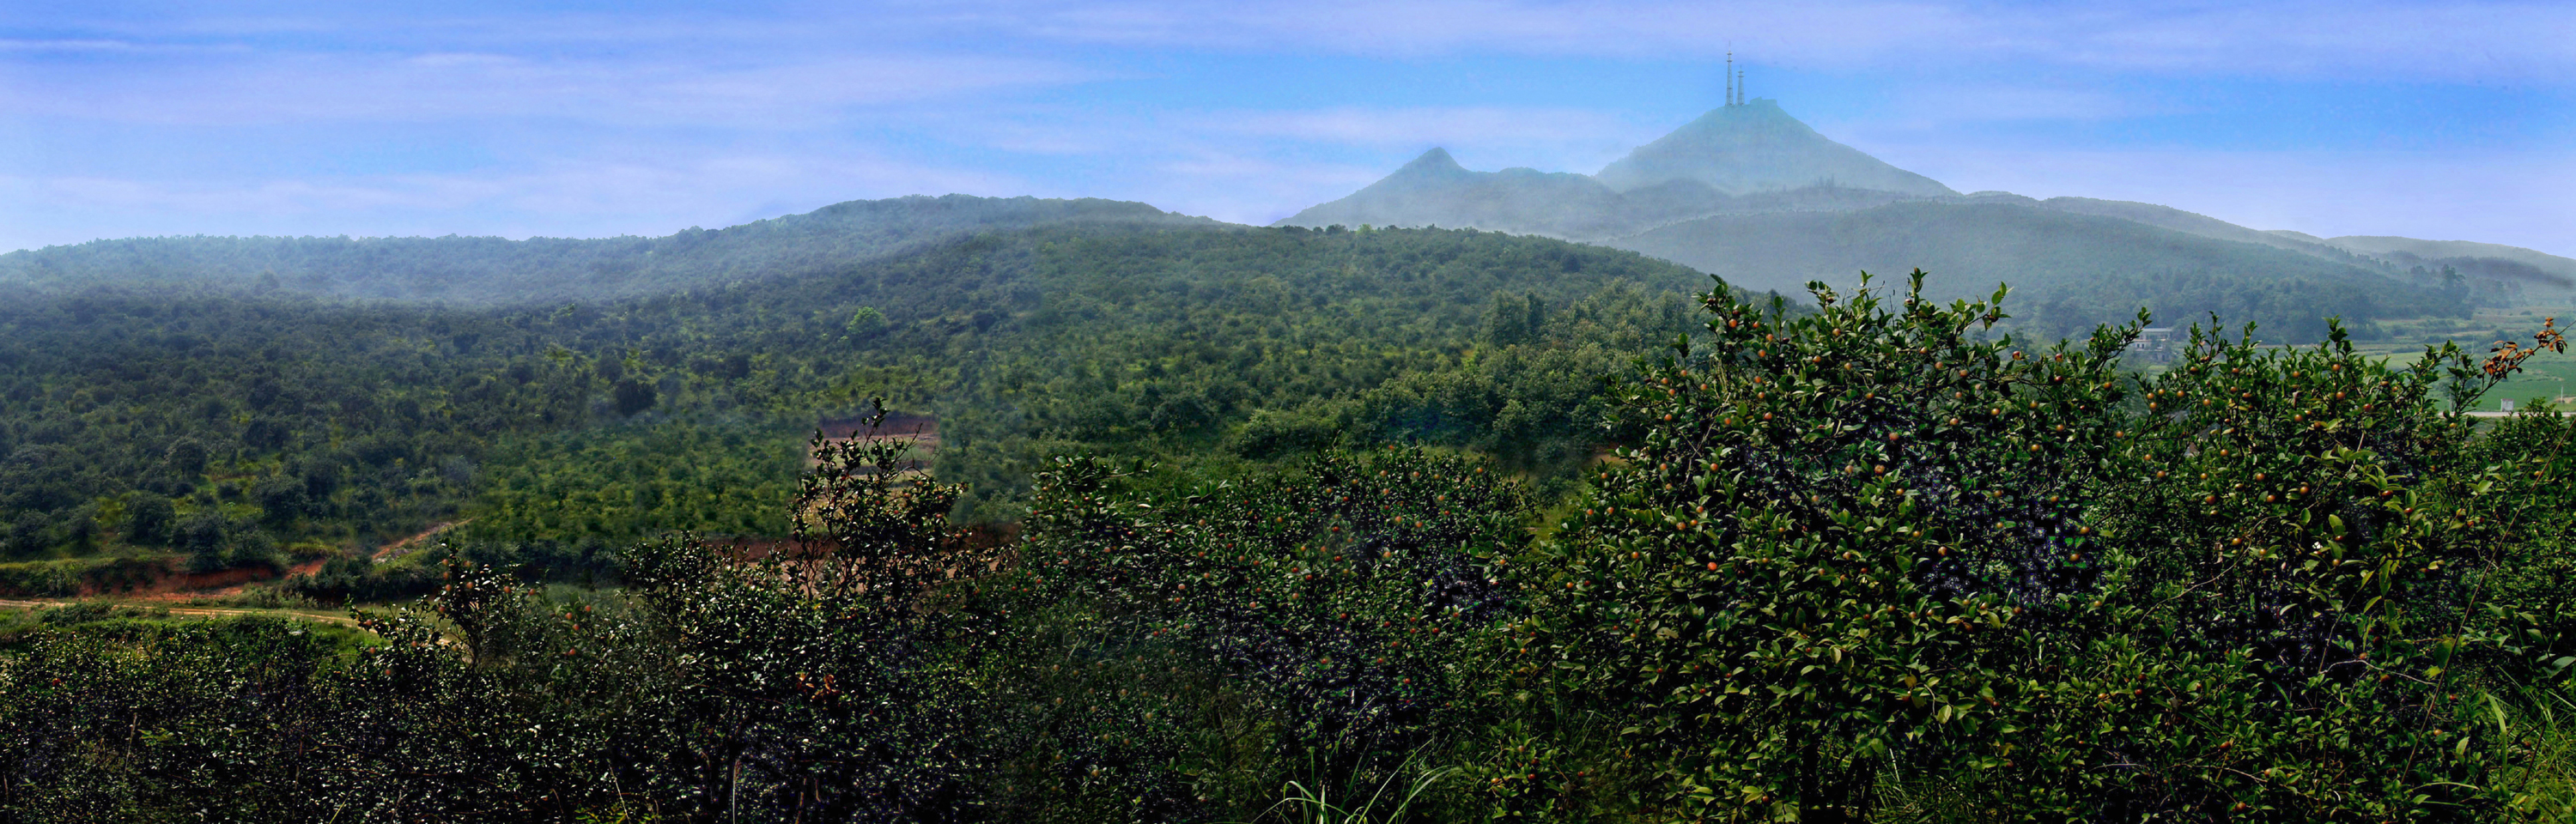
(585, 119)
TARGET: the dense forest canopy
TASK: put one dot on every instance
(259, 402)
(1865, 562)
(245, 428)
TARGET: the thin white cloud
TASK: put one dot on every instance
(1481, 125)
(1662, 29)
(2438, 41)
(71, 45)
(2443, 41)
(1542, 137)
(728, 93)
(566, 199)
(326, 87)
(1988, 102)
(2382, 39)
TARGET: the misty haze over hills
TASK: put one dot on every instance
(1745, 192)
(1748, 158)
(1749, 193)
(497, 271)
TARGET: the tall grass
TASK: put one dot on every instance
(1358, 803)
(2540, 727)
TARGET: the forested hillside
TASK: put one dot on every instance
(1867, 562)
(2071, 271)
(240, 429)
(1873, 559)
(490, 270)
(1753, 195)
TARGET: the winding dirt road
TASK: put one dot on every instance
(199, 612)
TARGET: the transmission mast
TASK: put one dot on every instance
(1730, 78)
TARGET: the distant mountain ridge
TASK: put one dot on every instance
(2411, 250)
(499, 271)
(1750, 193)
(1434, 190)
(1746, 191)
(2068, 270)
(1749, 158)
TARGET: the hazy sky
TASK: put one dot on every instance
(2440, 120)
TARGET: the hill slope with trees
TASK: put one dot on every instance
(1750, 193)
(2073, 270)
(496, 271)
(242, 428)
(1872, 562)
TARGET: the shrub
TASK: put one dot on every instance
(1873, 545)
(1320, 621)
(149, 520)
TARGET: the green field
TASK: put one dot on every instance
(2545, 376)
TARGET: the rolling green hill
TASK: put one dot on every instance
(2071, 271)
(240, 427)
(2405, 248)
(495, 271)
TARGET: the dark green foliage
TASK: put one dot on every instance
(882, 666)
(150, 520)
(1859, 564)
(187, 458)
(630, 481)
(1855, 493)
(1162, 342)
(73, 576)
(202, 537)
(1870, 561)
(810, 683)
(362, 580)
(632, 397)
(1330, 611)
(866, 323)
(113, 718)
(356, 424)
(1867, 544)
(311, 420)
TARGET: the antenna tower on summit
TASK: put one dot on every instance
(1735, 81)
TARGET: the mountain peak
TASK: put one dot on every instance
(1751, 157)
(1758, 147)
(1433, 168)
(1437, 159)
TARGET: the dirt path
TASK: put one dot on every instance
(399, 548)
(201, 612)
(199, 586)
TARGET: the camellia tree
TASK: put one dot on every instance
(1874, 556)
(814, 680)
(1191, 644)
